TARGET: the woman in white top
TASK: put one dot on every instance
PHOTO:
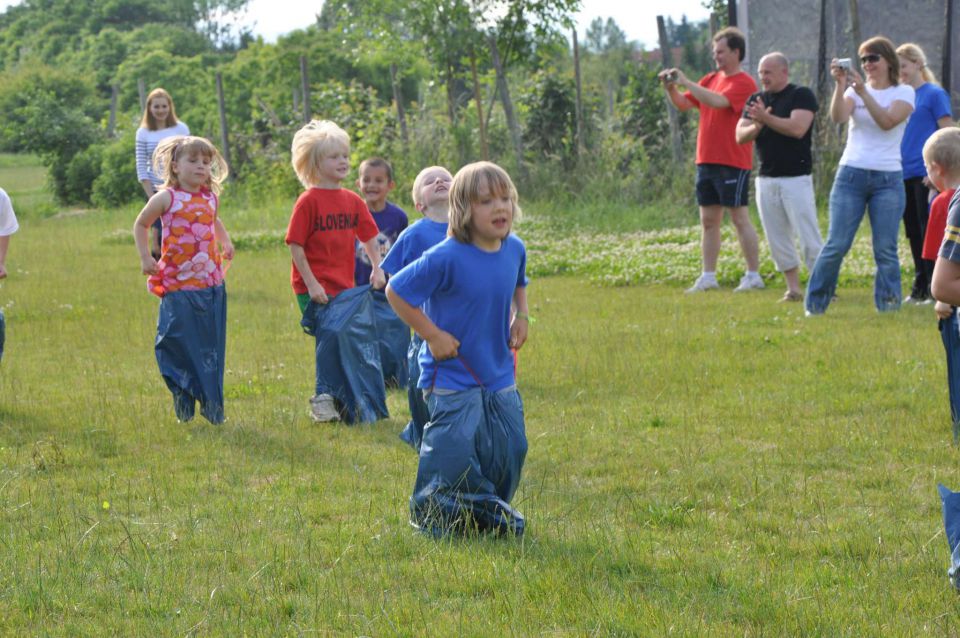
(159, 122)
(869, 178)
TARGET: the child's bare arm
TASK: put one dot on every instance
(4, 245)
(443, 345)
(314, 289)
(150, 213)
(377, 278)
(521, 320)
(946, 282)
(220, 231)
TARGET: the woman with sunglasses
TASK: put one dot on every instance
(931, 111)
(870, 177)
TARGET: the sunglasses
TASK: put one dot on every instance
(870, 57)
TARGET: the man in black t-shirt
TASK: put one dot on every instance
(780, 120)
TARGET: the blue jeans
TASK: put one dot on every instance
(881, 194)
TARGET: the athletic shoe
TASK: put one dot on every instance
(750, 282)
(703, 285)
(918, 299)
(323, 409)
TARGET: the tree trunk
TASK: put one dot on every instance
(484, 149)
(672, 116)
(512, 123)
(579, 103)
(224, 137)
(398, 98)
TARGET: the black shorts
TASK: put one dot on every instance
(719, 185)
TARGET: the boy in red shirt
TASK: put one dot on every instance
(325, 223)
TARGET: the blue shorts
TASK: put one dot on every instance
(719, 185)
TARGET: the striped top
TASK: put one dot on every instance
(147, 141)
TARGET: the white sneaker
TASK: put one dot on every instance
(750, 282)
(323, 409)
(703, 285)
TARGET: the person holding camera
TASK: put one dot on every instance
(869, 178)
(723, 166)
(780, 120)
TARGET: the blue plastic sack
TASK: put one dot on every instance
(190, 348)
(471, 458)
(3, 332)
(394, 337)
(412, 434)
(951, 345)
(951, 521)
(348, 354)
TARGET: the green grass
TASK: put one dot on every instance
(708, 465)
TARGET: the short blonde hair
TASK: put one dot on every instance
(310, 144)
(170, 149)
(465, 190)
(415, 192)
(943, 147)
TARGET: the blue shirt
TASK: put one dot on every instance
(950, 248)
(412, 243)
(467, 292)
(391, 221)
(931, 104)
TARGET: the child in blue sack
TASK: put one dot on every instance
(188, 277)
(457, 296)
(941, 154)
(326, 222)
(430, 194)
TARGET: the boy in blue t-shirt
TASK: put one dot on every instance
(375, 184)
(430, 194)
(458, 296)
(941, 154)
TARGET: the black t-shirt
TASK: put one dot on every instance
(781, 155)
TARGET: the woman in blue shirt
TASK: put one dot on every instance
(931, 111)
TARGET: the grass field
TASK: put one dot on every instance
(708, 465)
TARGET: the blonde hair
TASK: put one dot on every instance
(170, 149)
(915, 54)
(884, 48)
(415, 192)
(310, 144)
(943, 147)
(148, 121)
(465, 191)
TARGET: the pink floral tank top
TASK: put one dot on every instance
(189, 259)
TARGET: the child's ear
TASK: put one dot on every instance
(390, 185)
(357, 182)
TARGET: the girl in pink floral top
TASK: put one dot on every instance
(191, 331)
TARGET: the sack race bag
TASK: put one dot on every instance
(412, 434)
(190, 348)
(471, 458)
(348, 354)
(394, 339)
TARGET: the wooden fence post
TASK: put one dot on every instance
(305, 89)
(946, 69)
(484, 149)
(112, 122)
(666, 59)
(579, 102)
(143, 94)
(398, 98)
(224, 138)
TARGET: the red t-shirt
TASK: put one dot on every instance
(936, 224)
(716, 137)
(326, 223)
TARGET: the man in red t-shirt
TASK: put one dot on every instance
(723, 166)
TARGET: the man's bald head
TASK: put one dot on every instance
(774, 72)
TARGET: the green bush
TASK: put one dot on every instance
(116, 182)
(81, 171)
